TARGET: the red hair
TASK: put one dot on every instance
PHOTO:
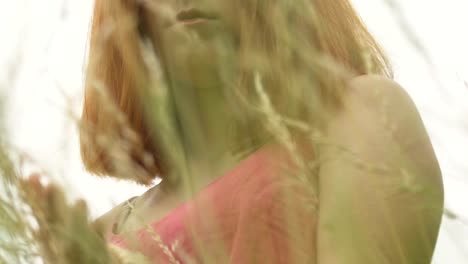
(115, 135)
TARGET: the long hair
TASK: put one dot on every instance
(302, 53)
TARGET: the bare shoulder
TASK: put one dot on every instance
(381, 174)
(385, 104)
(375, 90)
(380, 121)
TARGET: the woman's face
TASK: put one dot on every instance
(196, 42)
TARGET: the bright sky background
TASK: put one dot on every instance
(42, 50)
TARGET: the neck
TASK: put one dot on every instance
(202, 166)
(203, 170)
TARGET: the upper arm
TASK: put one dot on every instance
(381, 195)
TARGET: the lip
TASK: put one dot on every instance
(195, 21)
(194, 16)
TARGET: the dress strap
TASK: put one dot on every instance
(121, 219)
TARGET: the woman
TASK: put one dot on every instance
(275, 129)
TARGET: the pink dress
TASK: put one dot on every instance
(255, 213)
